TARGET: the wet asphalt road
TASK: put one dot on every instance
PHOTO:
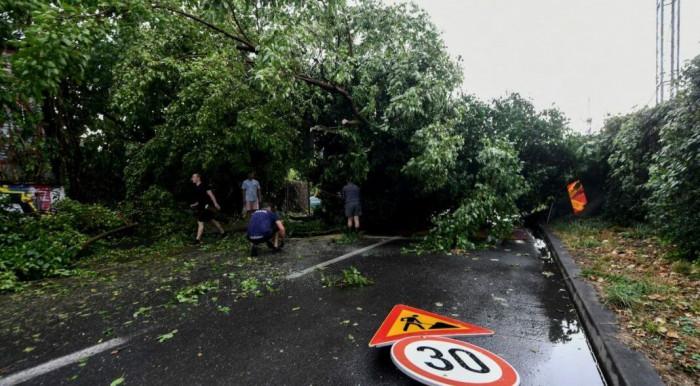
(305, 334)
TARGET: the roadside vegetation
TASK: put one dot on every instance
(655, 294)
(638, 242)
(120, 101)
(645, 170)
(130, 97)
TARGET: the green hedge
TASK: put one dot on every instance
(652, 158)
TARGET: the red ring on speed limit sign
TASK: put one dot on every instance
(445, 361)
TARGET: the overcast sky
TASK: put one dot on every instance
(561, 52)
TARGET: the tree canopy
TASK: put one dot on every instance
(132, 93)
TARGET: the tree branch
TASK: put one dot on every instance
(334, 89)
(102, 235)
(349, 40)
(244, 45)
(238, 24)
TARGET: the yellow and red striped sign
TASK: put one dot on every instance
(577, 196)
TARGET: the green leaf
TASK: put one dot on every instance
(118, 381)
(167, 336)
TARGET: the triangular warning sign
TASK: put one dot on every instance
(404, 321)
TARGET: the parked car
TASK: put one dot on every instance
(314, 202)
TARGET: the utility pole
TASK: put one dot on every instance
(667, 49)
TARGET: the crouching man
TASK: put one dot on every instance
(265, 227)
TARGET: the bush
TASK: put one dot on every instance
(36, 246)
(674, 204)
(649, 162)
(634, 143)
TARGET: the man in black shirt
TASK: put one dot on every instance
(204, 202)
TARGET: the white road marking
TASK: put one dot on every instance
(25, 375)
(385, 237)
(298, 274)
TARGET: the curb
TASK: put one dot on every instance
(620, 364)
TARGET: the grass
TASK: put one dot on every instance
(625, 292)
(687, 268)
(590, 242)
(655, 296)
(620, 290)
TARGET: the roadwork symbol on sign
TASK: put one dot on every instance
(405, 321)
(444, 361)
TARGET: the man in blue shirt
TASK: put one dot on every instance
(265, 227)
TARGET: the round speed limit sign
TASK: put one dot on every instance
(445, 361)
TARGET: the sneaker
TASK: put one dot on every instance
(196, 242)
(223, 234)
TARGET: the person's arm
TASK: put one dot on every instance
(280, 226)
(213, 199)
(259, 193)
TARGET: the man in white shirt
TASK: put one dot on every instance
(250, 189)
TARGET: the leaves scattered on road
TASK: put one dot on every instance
(117, 382)
(350, 277)
(167, 336)
(224, 309)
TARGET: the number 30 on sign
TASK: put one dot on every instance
(445, 361)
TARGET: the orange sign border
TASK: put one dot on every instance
(380, 338)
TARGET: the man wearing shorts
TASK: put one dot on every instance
(251, 194)
(353, 207)
(265, 227)
(204, 202)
